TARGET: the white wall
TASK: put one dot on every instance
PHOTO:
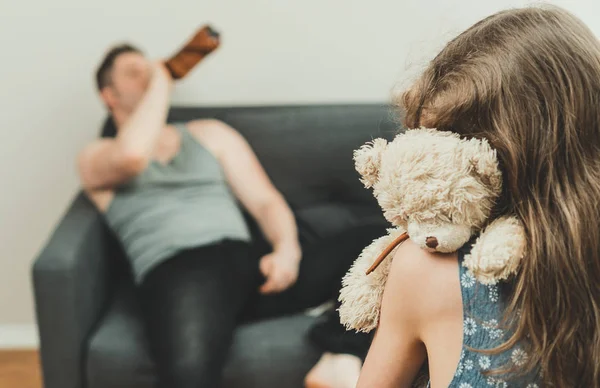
(274, 51)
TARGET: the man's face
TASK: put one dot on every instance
(129, 80)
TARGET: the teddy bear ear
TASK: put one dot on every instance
(485, 163)
(367, 160)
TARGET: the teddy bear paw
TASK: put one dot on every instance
(497, 253)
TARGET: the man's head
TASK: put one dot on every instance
(122, 78)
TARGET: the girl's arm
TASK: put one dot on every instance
(421, 306)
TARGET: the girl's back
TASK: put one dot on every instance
(527, 80)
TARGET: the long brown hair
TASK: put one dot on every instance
(528, 80)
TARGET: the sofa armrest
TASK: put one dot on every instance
(72, 280)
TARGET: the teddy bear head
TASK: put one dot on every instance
(436, 185)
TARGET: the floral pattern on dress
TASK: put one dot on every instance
(483, 307)
(467, 280)
(519, 357)
(494, 293)
(485, 362)
(470, 326)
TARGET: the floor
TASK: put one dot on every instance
(20, 369)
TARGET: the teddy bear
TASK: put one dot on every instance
(437, 189)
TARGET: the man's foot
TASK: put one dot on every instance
(334, 371)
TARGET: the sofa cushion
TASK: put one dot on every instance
(306, 149)
(266, 354)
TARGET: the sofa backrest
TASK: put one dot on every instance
(307, 153)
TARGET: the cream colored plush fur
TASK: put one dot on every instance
(361, 295)
(496, 253)
(432, 184)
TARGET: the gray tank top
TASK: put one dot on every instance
(170, 207)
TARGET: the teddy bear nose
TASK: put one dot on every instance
(431, 242)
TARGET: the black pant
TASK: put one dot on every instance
(192, 303)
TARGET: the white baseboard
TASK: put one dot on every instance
(19, 337)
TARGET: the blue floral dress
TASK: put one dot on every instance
(483, 308)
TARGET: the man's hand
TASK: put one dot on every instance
(281, 270)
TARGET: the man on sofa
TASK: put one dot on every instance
(169, 192)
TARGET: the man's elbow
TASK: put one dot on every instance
(268, 205)
(105, 175)
(133, 163)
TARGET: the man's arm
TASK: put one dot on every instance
(109, 162)
(264, 202)
(421, 305)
